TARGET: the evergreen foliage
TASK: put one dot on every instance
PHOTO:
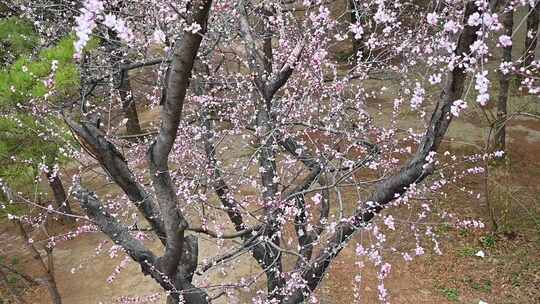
(24, 85)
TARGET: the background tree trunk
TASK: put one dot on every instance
(129, 108)
(49, 278)
(133, 126)
(47, 268)
(504, 85)
(60, 196)
(531, 40)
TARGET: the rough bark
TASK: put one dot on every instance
(120, 235)
(50, 281)
(150, 265)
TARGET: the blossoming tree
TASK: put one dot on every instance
(265, 143)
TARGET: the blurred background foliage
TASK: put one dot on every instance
(29, 136)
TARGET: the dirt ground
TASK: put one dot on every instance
(510, 272)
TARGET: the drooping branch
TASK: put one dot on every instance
(150, 264)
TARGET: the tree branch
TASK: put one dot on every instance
(121, 235)
(393, 186)
(171, 113)
(113, 162)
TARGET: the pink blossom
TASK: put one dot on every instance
(383, 293)
(479, 47)
(457, 107)
(389, 222)
(357, 30)
(193, 28)
(158, 36)
(435, 78)
(418, 96)
(482, 86)
(432, 18)
(474, 19)
(109, 21)
(385, 270)
(451, 26)
(86, 22)
(505, 40)
(407, 257)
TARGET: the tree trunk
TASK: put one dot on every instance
(47, 269)
(53, 291)
(124, 85)
(60, 197)
(133, 126)
(531, 37)
(504, 85)
(50, 281)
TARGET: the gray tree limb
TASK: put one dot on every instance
(96, 144)
(179, 76)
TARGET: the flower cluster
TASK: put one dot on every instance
(86, 23)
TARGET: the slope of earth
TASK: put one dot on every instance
(509, 272)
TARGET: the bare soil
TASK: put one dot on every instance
(510, 272)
